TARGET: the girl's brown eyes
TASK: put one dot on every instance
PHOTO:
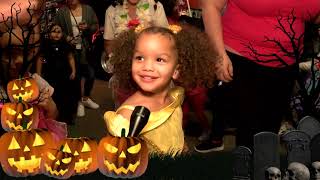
(160, 60)
(138, 58)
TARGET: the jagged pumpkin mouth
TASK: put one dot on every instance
(82, 165)
(25, 96)
(29, 165)
(55, 172)
(11, 125)
(112, 167)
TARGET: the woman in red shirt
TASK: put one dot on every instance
(260, 43)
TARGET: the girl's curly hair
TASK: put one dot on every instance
(196, 57)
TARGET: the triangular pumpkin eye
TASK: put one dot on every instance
(28, 112)
(11, 111)
(86, 147)
(66, 148)
(15, 87)
(28, 84)
(38, 141)
(134, 149)
(110, 148)
(14, 144)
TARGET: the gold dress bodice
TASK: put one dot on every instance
(163, 132)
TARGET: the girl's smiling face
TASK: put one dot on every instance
(56, 33)
(154, 62)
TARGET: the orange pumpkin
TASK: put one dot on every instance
(84, 151)
(58, 163)
(19, 116)
(124, 157)
(21, 151)
(25, 88)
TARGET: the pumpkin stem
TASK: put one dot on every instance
(123, 132)
(61, 148)
(20, 99)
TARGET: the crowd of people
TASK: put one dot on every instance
(248, 75)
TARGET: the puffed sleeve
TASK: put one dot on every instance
(115, 123)
(160, 18)
(109, 27)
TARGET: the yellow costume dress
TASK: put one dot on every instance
(163, 132)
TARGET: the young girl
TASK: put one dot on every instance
(56, 64)
(154, 58)
(128, 14)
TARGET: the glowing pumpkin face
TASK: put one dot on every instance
(124, 157)
(84, 151)
(19, 116)
(21, 151)
(58, 163)
(25, 88)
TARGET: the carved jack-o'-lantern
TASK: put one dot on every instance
(58, 163)
(25, 88)
(21, 151)
(84, 151)
(124, 157)
(19, 116)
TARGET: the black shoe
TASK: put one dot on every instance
(209, 146)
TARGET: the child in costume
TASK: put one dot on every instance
(56, 65)
(149, 62)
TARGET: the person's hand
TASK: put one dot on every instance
(46, 102)
(224, 69)
(83, 26)
(73, 40)
(44, 99)
(72, 75)
(69, 39)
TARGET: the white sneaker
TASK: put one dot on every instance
(90, 104)
(80, 110)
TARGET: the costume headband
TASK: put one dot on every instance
(174, 28)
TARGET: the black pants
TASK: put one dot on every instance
(85, 71)
(256, 100)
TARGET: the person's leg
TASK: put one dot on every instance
(221, 111)
(198, 97)
(275, 94)
(263, 102)
(87, 72)
(227, 100)
(89, 81)
(78, 83)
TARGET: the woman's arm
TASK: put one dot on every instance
(50, 108)
(211, 12)
(109, 32)
(107, 46)
(89, 25)
(72, 66)
(45, 101)
(39, 65)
